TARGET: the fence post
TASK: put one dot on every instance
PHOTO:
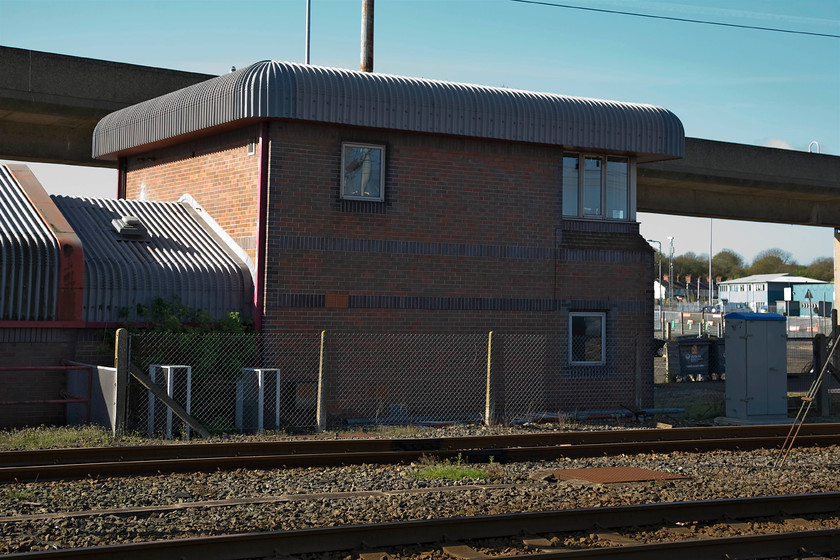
(489, 399)
(121, 363)
(321, 408)
(820, 353)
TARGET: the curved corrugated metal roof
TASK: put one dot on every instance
(29, 254)
(272, 89)
(178, 258)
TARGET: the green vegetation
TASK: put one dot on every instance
(178, 334)
(449, 470)
(45, 437)
(701, 401)
(392, 431)
(729, 265)
(18, 494)
(172, 316)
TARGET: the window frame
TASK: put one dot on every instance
(603, 317)
(342, 186)
(605, 160)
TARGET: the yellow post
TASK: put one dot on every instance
(321, 408)
(490, 401)
(121, 364)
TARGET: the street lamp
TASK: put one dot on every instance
(671, 271)
(710, 262)
(659, 288)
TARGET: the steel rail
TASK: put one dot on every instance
(376, 536)
(770, 546)
(298, 456)
(223, 449)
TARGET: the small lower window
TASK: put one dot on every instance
(587, 333)
(362, 172)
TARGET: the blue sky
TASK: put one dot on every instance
(731, 84)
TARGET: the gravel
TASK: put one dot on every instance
(384, 493)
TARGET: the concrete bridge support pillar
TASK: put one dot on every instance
(836, 262)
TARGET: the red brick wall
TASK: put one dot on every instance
(489, 196)
(469, 239)
(28, 348)
(329, 259)
(216, 171)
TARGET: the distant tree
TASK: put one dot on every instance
(728, 265)
(689, 264)
(772, 261)
(821, 269)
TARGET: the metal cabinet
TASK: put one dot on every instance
(756, 367)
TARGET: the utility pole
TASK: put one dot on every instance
(671, 271)
(367, 36)
(308, 19)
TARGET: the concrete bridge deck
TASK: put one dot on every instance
(50, 103)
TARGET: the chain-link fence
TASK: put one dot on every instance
(247, 383)
(230, 382)
(697, 323)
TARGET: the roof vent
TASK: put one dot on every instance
(130, 228)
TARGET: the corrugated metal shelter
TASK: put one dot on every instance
(29, 253)
(134, 251)
(283, 90)
(138, 250)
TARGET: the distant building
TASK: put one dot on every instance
(780, 293)
(685, 289)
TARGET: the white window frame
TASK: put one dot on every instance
(381, 148)
(578, 213)
(603, 317)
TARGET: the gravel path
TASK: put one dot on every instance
(392, 494)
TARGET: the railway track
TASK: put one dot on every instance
(112, 461)
(623, 532)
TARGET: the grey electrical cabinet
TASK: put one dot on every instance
(756, 367)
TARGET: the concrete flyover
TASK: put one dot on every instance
(741, 182)
(50, 103)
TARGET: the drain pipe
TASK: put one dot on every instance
(262, 212)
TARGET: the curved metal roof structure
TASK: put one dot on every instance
(170, 253)
(29, 255)
(283, 90)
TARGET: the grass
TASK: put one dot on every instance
(44, 437)
(18, 494)
(700, 400)
(394, 431)
(448, 470)
(56, 437)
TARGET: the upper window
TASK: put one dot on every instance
(362, 171)
(587, 335)
(597, 187)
